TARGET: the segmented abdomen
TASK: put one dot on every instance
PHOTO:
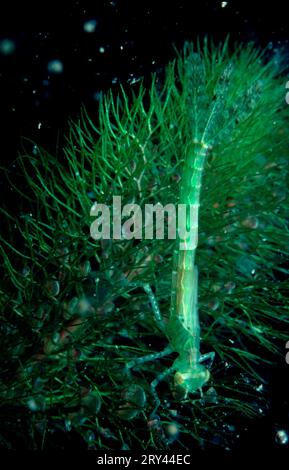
(183, 328)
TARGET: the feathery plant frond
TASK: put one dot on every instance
(73, 313)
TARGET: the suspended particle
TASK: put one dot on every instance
(172, 431)
(224, 4)
(229, 427)
(7, 46)
(32, 405)
(35, 150)
(55, 66)
(37, 404)
(90, 26)
(101, 50)
(133, 79)
(281, 437)
(97, 95)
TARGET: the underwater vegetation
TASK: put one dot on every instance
(78, 314)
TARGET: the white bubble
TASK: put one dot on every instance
(97, 95)
(7, 46)
(35, 150)
(90, 26)
(32, 405)
(172, 431)
(133, 79)
(55, 66)
(224, 4)
(281, 437)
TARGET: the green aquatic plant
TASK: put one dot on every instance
(91, 327)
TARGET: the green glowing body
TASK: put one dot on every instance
(183, 329)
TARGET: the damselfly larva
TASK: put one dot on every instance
(183, 329)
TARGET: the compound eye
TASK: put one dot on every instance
(179, 378)
(192, 381)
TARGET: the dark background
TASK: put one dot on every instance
(138, 38)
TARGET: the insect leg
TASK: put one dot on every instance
(149, 357)
(155, 306)
(154, 385)
(208, 357)
(157, 380)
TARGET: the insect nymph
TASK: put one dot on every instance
(183, 329)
